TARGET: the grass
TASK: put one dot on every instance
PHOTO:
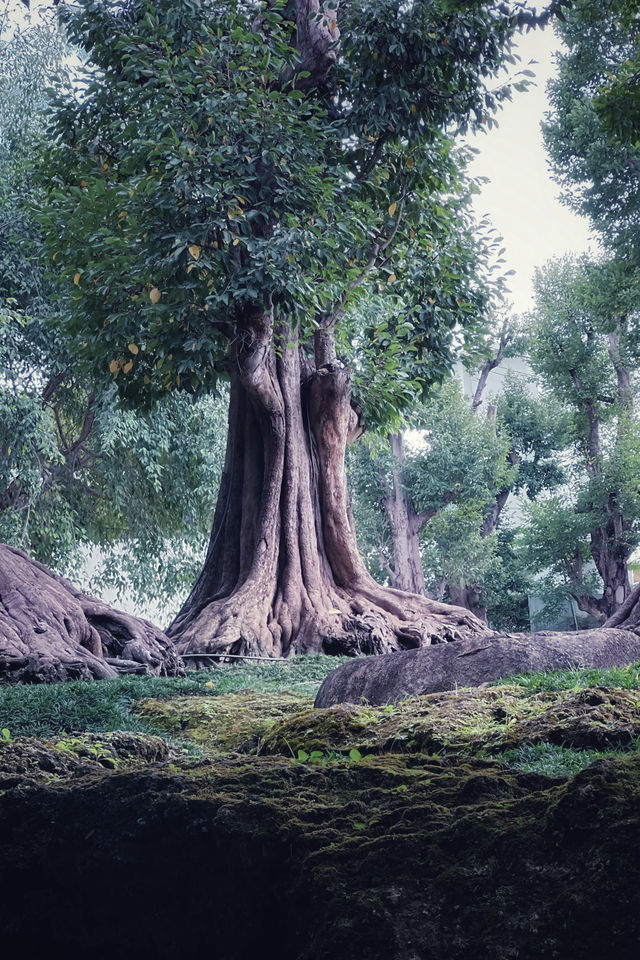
(46, 710)
(625, 678)
(551, 759)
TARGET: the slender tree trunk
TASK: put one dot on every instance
(283, 574)
(470, 596)
(408, 572)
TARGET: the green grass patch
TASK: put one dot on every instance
(550, 759)
(625, 678)
(46, 710)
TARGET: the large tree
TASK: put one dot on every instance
(227, 182)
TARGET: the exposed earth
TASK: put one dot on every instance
(411, 832)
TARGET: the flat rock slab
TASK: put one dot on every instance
(469, 663)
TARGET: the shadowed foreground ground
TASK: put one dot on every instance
(355, 832)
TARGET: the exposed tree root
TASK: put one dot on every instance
(50, 631)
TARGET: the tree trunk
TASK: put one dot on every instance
(50, 631)
(283, 574)
(408, 572)
(470, 596)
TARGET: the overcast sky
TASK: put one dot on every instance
(521, 197)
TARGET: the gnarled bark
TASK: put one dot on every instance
(50, 631)
(283, 573)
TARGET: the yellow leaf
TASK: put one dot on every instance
(413, 108)
(83, 183)
(114, 366)
(146, 379)
(154, 295)
(191, 267)
(391, 278)
(132, 348)
(392, 209)
(76, 279)
(122, 215)
(431, 300)
(236, 241)
(210, 684)
(55, 255)
(128, 366)
(195, 250)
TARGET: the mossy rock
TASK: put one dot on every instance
(423, 850)
(32, 761)
(234, 722)
(469, 722)
(398, 856)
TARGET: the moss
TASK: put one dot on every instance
(234, 722)
(396, 856)
(31, 761)
(470, 722)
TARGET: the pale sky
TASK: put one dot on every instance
(521, 198)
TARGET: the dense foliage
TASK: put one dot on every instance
(76, 469)
(194, 174)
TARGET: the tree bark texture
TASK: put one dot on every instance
(283, 574)
(50, 631)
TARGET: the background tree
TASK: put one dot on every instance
(223, 190)
(599, 171)
(477, 451)
(76, 470)
(584, 345)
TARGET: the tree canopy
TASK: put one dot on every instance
(199, 171)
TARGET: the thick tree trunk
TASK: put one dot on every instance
(283, 574)
(51, 631)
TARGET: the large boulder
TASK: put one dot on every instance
(50, 630)
(469, 663)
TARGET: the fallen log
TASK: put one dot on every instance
(469, 663)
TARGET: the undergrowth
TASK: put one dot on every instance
(551, 759)
(625, 678)
(45, 710)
